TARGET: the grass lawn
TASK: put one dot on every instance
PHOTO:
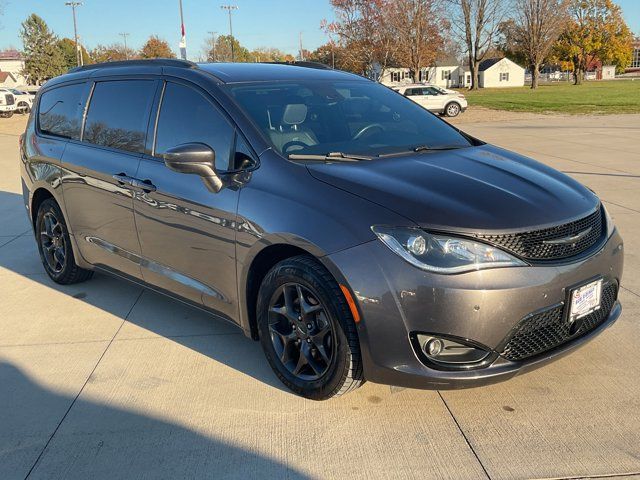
(615, 96)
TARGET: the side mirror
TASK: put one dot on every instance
(197, 159)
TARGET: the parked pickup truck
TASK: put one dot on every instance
(7, 103)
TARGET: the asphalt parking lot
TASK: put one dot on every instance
(107, 380)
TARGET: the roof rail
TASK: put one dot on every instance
(297, 63)
(160, 62)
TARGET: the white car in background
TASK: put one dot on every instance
(24, 100)
(435, 99)
(7, 102)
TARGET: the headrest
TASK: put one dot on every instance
(294, 114)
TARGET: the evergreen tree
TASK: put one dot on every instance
(42, 57)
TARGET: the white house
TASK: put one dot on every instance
(500, 72)
(11, 61)
(7, 80)
(445, 73)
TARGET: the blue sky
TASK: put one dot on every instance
(256, 22)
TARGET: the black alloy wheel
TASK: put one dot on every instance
(300, 331)
(54, 245)
(307, 330)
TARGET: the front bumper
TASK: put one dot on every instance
(396, 299)
(7, 108)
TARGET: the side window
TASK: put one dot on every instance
(60, 111)
(119, 114)
(186, 116)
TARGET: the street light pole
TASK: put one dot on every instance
(230, 8)
(126, 51)
(73, 6)
(213, 46)
(183, 38)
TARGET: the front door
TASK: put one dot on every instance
(97, 194)
(186, 230)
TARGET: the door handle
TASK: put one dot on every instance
(144, 185)
(123, 179)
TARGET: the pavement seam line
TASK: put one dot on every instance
(630, 291)
(464, 435)
(14, 239)
(596, 476)
(44, 449)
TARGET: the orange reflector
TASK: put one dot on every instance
(351, 303)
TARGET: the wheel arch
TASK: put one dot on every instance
(259, 266)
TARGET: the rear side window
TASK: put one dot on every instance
(186, 116)
(118, 114)
(60, 111)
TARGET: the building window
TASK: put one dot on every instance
(635, 59)
(446, 74)
(423, 76)
(504, 76)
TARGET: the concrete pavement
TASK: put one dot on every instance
(106, 380)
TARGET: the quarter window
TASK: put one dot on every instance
(119, 114)
(60, 111)
(186, 116)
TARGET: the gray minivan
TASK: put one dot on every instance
(353, 233)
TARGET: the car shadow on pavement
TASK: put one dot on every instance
(152, 315)
(100, 441)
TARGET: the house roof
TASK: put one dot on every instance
(488, 63)
(10, 55)
(447, 62)
(5, 75)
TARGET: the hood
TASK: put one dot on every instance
(473, 189)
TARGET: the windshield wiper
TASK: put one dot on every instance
(423, 148)
(348, 157)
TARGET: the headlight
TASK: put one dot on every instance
(442, 253)
(607, 218)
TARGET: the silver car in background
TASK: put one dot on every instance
(435, 99)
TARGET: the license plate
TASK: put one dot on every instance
(585, 299)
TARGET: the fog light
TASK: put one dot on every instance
(446, 352)
(433, 347)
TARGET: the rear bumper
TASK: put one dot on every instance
(397, 299)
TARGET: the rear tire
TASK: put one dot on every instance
(54, 245)
(307, 330)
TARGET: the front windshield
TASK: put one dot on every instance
(350, 117)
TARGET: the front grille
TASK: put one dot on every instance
(550, 328)
(9, 98)
(533, 245)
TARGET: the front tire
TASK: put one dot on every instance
(54, 245)
(23, 108)
(307, 331)
(452, 109)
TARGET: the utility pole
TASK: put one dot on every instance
(230, 8)
(213, 46)
(183, 38)
(301, 51)
(73, 6)
(126, 51)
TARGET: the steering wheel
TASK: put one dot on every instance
(367, 130)
(293, 143)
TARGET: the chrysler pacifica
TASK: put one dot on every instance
(353, 233)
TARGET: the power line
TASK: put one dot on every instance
(73, 6)
(229, 9)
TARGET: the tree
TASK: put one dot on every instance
(269, 54)
(111, 53)
(42, 57)
(596, 31)
(155, 47)
(476, 23)
(365, 33)
(420, 24)
(221, 50)
(68, 49)
(537, 25)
